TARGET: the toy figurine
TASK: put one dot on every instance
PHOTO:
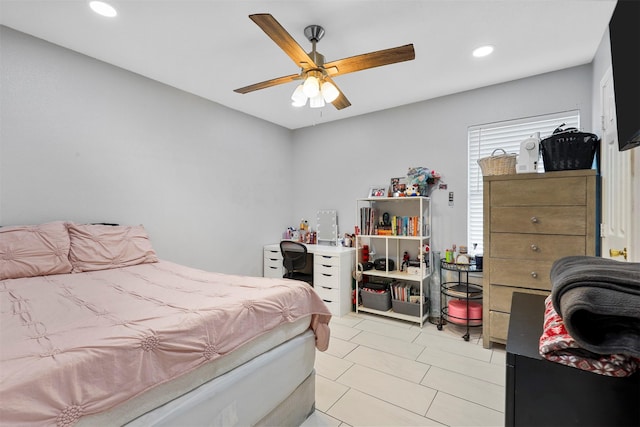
(405, 261)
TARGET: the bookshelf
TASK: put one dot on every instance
(390, 229)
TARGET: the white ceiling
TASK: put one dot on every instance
(210, 47)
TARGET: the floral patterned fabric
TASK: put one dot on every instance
(556, 345)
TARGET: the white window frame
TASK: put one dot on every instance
(484, 139)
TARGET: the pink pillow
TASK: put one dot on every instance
(34, 250)
(101, 247)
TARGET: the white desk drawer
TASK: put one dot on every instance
(272, 262)
(334, 307)
(320, 259)
(326, 280)
(272, 254)
(273, 271)
(327, 293)
(327, 270)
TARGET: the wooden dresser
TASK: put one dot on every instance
(531, 220)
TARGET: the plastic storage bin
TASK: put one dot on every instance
(376, 300)
(410, 308)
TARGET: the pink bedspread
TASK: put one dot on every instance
(78, 344)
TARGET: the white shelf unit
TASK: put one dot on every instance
(393, 247)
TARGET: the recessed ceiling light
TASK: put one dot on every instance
(483, 51)
(102, 8)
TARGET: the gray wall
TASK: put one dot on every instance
(350, 155)
(86, 141)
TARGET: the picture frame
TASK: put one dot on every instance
(377, 191)
(398, 186)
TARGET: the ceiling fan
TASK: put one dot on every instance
(318, 85)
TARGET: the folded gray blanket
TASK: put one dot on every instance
(599, 302)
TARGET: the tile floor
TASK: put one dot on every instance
(383, 372)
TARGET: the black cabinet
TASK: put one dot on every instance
(544, 393)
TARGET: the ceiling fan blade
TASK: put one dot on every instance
(268, 83)
(341, 101)
(372, 59)
(283, 39)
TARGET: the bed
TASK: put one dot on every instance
(95, 330)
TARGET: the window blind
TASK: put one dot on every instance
(507, 135)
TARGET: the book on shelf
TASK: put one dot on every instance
(401, 291)
(400, 225)
(405, 225)
(367, 220)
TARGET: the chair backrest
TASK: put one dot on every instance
(294, 255)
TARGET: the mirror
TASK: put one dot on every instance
(327, 226)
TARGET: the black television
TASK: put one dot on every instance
(624, 33)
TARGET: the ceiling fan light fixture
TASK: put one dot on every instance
(329, 91)
(298, 98)
(311, 86)
(317, 101)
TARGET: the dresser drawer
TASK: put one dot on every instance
(501, 297)
(540, 219)
(522, 274)
(499, 324)
(319, 259)
(542, 247)
(539, 192)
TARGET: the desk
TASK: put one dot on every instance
(332, 267)
(544, 393)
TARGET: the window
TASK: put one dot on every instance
(508, 135)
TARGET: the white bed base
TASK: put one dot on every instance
(255, 387)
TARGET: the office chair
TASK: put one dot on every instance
(294, 261)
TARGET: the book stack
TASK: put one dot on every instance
(405, 226)
(367, 220)
(403, 292)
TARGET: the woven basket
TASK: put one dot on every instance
(498, 164)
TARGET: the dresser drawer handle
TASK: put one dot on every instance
(325, 265)
(327, 275)
(534, 219)
(534, 248)
(327, 256)
(534, 274)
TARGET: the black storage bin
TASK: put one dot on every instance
(568, 150)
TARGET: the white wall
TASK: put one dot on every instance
(335, 163)
(86, 141)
